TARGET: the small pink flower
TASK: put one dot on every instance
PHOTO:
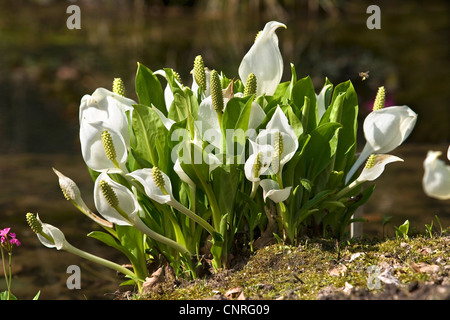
(4, 232)
(8, 239)
(15, 241)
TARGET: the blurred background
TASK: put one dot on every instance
(45, 69)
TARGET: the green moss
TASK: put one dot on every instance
(302, 272)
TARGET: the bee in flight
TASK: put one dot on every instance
(364, 75)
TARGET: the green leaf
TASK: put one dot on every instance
(148, 89)
(320, 149)
(302, 89)
(294, 121)
(109, 240)
(294, 170)
(170, 77)
(4, 296)
(133, 241)
(281, 94)
(36, 297)
(225, 184)
(235, 124)
(192, 161)
(150, 143)
(309, 116)
(344, 109)
(307, 209)
(306, 184)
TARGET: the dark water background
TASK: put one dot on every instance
(46, 68)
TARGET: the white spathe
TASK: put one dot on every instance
(59, 240)
(271, 190)
(279, 126)
(264, 60)
(145, 178)
(384, 130)
(127, 201)
(436, 179)
(381, 160)
(104, 110)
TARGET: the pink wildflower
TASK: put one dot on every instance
(8, 239)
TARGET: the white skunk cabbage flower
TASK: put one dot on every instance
(115, 202)
(264, 60)
(105, 111)
(384, 130)
(271, 190)
(436, 179)
(281, 136)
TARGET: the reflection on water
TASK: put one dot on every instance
(45, 69)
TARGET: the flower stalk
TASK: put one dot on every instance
(72, 193)
(109, 205)
(52, 237)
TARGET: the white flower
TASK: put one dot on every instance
(281, 136)
(384, 130)
(72, 192)
(373, 169)
(264, 60)
(99, 112)
(146, 178)
(104, 105)
(158, 187)
(321, 103)
(208, 124)
(126, 206)
(271, 190)
(101, 152)
(436, 179)
(59, 240)
(258, 162)
(168, 94)
(167, 122)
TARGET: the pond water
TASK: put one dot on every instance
(45, 69)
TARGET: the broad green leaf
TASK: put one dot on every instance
(150, 143)
(344, 109)
(148, 89)
(133, 241)
(294, 121)
(109, 240)
(235, 124)
(305, 88)
(225, 183)
(320, 149)
(309, 116)
(282, 93)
